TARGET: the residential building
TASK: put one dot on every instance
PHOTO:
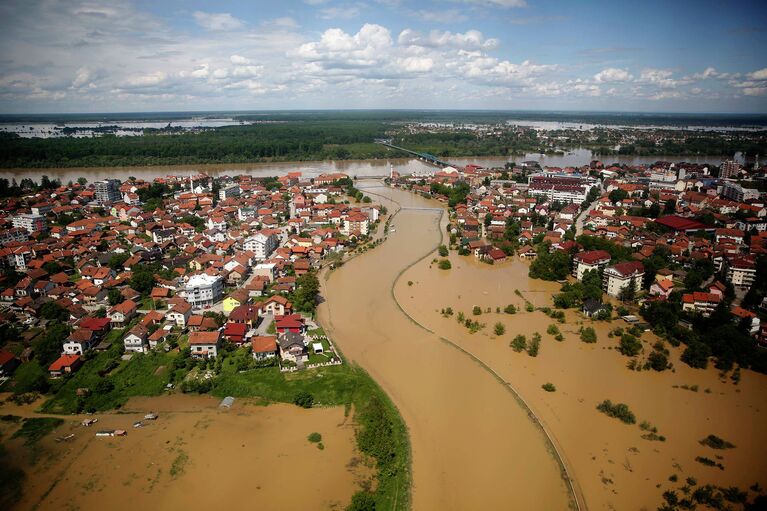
(65, 364)
(122, 313)
(261, 245)
(619, 277)
(205, 344)
(729, 169)
(203, 290)
(741, 272)
(264, 347)
(30, 222)
(736, 192)
(700, 302)
(136, 340)
(229, 192)
(356, 224)
(108, 191)
(591, 260)
(292, 347)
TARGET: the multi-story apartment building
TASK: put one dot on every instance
(108, 191)
(229, 192)
(729, 168)
(619, 277)
(203, 289)
(560, 187)
(741, 272)
(30, 222)
(592, 260)
(261, 245)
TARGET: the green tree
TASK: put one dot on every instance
(114, 297)
(305, 295)
(48, 346)
(30, 377)
(443, 252)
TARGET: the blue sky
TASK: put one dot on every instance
(101, 56)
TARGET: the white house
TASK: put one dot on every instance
(620, 276)
(136, 340)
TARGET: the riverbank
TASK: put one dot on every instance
(473, 445)
(613, 464)
(358, 168)
(194, 456)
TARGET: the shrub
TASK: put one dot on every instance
(499, 329)
(658, 361)
(618, 410)
(443, 251)
(629, 345)
(715, 442)
(709, 462)
(477, 310)
(559, 337)
(362, 501)
(303, 399)
(535, 345)
(314, 437)
(549, 387)
(529, 307)
(552, 330)
(510, 309)
(460, 317)
(444, 264)
(588, 335)
(519, 343)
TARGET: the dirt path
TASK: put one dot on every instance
(473, 445)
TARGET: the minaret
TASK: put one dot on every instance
(191, 184)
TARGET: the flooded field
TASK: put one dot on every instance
(195, 456)
(473, 444)
(613, 465)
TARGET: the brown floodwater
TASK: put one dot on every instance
(473, 444)
(196, 456)
(613, 466)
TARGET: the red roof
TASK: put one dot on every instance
(5, 357)
(64, 361)
(235, 329)
(94, 324)
(593, 256)
(264, 344)
(678, 223)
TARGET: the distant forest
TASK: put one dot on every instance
(343, 135)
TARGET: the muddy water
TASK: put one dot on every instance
(197, 457)
(473, 445)
(614, 467)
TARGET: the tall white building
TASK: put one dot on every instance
(261, 245)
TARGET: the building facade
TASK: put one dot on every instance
(202, 290)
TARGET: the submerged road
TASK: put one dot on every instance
(473, 445)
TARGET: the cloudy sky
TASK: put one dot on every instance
(103, 56)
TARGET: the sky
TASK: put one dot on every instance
(187, 55)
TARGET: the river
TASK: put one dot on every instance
(473, 445)
(359, 168)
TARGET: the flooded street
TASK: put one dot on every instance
(613, 465)
(473, 445)
(196, 456)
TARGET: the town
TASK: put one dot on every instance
(681, 245)
(94, 274)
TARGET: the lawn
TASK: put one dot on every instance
(330, 386)
(112, 381)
